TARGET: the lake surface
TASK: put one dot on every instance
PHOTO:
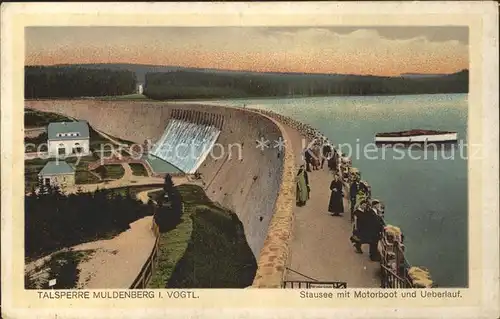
(425, 195)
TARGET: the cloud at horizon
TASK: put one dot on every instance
(346, 50)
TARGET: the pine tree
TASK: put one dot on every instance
(42, 188)
(168, 185)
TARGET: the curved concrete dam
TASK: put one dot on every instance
(238, 175)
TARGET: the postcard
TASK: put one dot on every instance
(250, 159)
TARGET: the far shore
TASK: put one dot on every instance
(140, 99)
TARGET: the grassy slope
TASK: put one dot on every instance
(62, 266)
(207, 249)
(33, 118)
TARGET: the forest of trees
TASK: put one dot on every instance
(72, 82)
(192, 84)
(54, 221)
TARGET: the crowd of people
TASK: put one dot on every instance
(305, 129)
(366, 213)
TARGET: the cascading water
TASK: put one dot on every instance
(185, 144)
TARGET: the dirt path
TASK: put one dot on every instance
(320, 246)
(128, 179)
(143, 196)
(117, 262)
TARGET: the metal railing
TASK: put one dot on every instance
(297, 284)
(142, 279)
(394, 265)
(392, 280)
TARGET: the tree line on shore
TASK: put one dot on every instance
(191, 84)
(79, 81)
(72, 82)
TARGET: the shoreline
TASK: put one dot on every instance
(222, 99)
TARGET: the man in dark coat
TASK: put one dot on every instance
(336, 204)
(333, 163)
(355, 188)
(368, 229)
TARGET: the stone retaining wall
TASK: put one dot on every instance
(273, 256)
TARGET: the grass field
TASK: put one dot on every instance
(138, 169)
(98, 142)
(82, 174)
(112, 171)
(207, 249)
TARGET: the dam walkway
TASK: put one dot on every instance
(320, 248)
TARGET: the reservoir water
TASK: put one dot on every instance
(425, 195)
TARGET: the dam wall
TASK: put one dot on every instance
(237, 174)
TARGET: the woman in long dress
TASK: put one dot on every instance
(302, 194)
(336, 204)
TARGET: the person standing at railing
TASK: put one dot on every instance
(367, 229)
(357, 187)
(353, 192)
(345, 163)
(327, 153)
(333, 162)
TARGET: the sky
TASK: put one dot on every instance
(345, 50)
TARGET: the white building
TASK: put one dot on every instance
(140, 89)
(57, 173)
(66, 138)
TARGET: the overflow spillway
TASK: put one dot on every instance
(188, 138)
(198, 117)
